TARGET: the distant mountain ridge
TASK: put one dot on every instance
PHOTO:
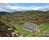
(3, 13)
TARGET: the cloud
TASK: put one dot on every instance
(45, 8)
(10, 8)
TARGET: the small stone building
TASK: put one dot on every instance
(31, 26)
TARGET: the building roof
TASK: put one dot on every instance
(29, 25)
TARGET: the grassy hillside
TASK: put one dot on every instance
(32, 16)
(18, 18)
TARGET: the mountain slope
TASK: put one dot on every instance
(22, 16)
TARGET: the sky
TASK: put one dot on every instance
(11, 7)
(31, 4)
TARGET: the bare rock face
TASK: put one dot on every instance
(31, 26)
(15, 34)
(46, 34)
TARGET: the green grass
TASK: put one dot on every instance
(43, 28)
(20, 29)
